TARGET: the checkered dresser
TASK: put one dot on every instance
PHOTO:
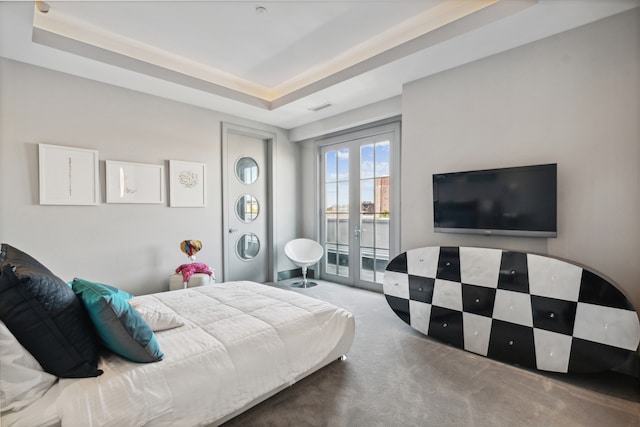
(529, 310)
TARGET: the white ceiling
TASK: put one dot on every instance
(279, 65)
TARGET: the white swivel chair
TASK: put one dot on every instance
(303, 253)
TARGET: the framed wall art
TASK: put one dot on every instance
(187, 184)
(68, 176)
(135, 182)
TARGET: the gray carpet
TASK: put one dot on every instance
(395, 376)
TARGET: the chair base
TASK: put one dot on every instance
(303, 284)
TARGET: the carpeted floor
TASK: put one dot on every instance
(395, 376)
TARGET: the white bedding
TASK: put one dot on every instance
(240, 343)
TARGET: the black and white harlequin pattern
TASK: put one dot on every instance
(530, 310)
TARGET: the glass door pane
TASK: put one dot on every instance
(374, 210)
(336, 212)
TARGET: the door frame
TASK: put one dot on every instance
(392, 125)
(270, 140)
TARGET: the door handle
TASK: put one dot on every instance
(232, 230)
(356, 231)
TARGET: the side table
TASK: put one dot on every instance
(176, 281)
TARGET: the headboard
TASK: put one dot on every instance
(520, 308)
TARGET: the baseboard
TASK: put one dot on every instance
(296, 272)
(289, 274)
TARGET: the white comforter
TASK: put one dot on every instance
(240, 341)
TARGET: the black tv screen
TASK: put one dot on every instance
(517, 201)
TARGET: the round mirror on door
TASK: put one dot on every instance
(247, 208)
(248, 246)
(247, 170)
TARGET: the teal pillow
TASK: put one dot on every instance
(119, 326)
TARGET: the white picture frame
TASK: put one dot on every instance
(187, 184)
(134, 182)
(68, 176)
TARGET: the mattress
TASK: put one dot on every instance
(241, 342)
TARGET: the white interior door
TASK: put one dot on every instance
(246, 200)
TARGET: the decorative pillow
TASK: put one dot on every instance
(46, 317)
(120, 327)
(22, 379)
(158, 316)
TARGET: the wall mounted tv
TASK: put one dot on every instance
(516, 201)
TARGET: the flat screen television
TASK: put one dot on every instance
(516, 201)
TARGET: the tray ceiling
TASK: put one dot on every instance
(286, 63)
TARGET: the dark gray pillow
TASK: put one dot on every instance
(46, 317)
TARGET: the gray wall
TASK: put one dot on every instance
(134, 247)
(572, 99)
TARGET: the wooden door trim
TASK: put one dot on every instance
(270, 140)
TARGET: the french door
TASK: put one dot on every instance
(358, 199)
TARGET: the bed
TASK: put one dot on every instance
(223, 349)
